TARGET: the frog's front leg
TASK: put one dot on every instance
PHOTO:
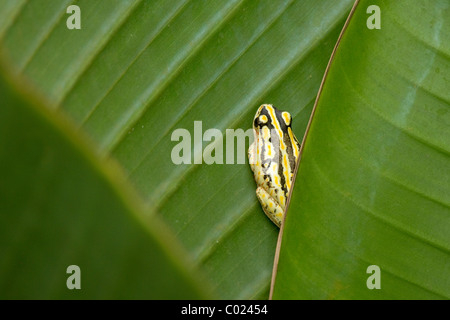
(271, 208)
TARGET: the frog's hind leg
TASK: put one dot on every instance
(271, 208)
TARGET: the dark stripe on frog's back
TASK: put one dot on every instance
(270, 126)
(263, 147)
(287, 141)
(283, 128)
(281, 174)
(290, 151)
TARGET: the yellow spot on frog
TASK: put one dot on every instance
(275, 180)
(286, 117)
(282, 201)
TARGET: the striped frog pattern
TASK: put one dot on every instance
(273, 157)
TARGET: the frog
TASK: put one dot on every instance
(273, 158)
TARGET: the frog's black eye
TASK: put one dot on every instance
(287, 118)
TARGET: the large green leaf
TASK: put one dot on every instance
(138, 70)
(59, 206)
(373, 186)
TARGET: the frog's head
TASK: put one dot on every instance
(272, 118)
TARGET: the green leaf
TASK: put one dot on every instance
(138, 70)
(373, 183)
(60, 206)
